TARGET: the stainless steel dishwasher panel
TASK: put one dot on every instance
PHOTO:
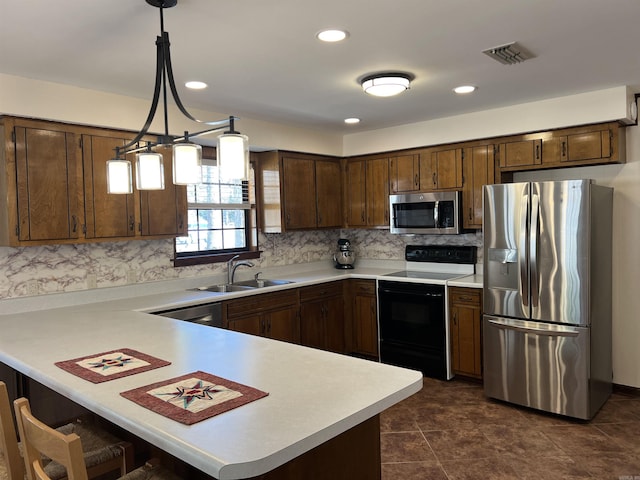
(538, 365)
(209, 314)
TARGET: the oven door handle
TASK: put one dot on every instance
(414, 294)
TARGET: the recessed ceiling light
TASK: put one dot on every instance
(352, 120)
(332, 35)
(461, 90)
(386, 84)
(195, 85)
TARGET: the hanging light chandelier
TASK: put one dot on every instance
(232, 147)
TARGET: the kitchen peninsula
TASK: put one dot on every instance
(321, 410)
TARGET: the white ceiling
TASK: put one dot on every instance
(262, 61)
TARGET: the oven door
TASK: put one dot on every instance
(413, 326)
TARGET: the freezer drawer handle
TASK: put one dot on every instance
(563, 332)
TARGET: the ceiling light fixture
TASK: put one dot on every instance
(195, 85)
(332, 35)
(352, 120)
(386, 84)
(232, 147)
(464, 89)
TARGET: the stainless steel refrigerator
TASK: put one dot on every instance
(547, 295)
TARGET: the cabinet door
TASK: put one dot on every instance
(364, 317)
(520, 154)
(49, 184)
(106, 215)
(299, 192)
(365, 325)
(164, 212)
(335, 324)
(251, 324)
(405, 173)
(465, 329)
(378, 192)
(312, 324)
(441, 170)
(282, 325)
(356, 193)
(582, 147)
(322, 322)
(478, 170)
(329, 193)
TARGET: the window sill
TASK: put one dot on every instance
(214, 258)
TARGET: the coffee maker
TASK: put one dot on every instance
(344, 257)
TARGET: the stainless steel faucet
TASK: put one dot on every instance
(231, 267)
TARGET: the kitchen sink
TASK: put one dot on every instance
(225, 288)
(261, 283)
(242, 286)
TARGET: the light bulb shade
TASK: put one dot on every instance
(233, 156)
(386, 85)
(119, 176)
(149, 171)
(187, 163)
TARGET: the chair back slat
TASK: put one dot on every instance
(8, 438)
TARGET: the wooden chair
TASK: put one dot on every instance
(105, 453)
(65, 449)
(8, 440)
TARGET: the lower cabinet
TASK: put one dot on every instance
(322, 322)
(364, 319)
(465, 324)
(272, 315)
(338, 316)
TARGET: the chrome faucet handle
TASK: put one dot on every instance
(257, 275)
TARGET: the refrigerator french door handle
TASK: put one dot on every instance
(563, 331)
(522, 256)
(533, 249)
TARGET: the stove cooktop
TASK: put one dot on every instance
(426, 275)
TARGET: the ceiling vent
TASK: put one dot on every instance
(509, 54)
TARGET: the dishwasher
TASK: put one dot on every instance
(209, 314)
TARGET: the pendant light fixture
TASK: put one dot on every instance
(187, 156)
(233, 155)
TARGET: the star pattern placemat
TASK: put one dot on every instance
(193, 397)
(105, 366)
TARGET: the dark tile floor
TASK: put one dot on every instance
(451, 431)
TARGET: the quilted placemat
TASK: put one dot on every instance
(193, 397)
(105, 366)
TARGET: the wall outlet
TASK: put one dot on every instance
(132, 276)
(33, 288)
(92, 280)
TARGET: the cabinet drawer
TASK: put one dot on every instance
(467, 296)
(364, 287)
(321, 291)
(260, 303)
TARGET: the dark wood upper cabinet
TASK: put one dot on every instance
(54, 188)
(46, 186)
(298, 191)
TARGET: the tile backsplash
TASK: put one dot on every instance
(27, 271)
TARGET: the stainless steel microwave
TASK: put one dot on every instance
(435, 213)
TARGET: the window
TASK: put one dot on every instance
(221, 219)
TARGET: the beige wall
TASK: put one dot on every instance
(65, 268)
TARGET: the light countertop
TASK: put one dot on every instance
(313, 395)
